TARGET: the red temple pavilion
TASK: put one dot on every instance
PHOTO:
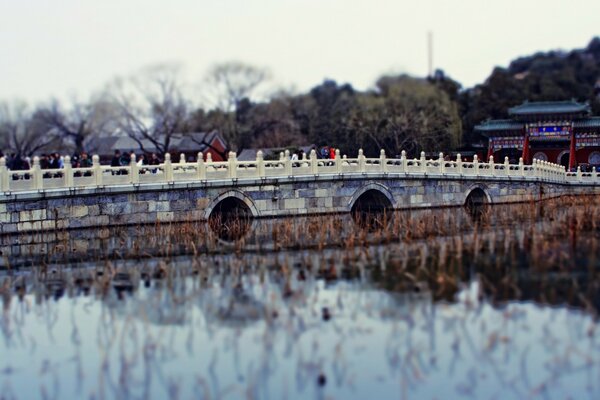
(562, 132)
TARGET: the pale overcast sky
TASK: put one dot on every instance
(63, 47)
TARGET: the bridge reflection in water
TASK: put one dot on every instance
(420, 296)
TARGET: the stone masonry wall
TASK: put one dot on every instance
(130, 205)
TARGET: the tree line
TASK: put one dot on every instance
(400, 112)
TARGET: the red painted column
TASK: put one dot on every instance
(572, 150)
(525, 154)
(490, 149)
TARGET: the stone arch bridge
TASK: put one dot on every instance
(38, 200)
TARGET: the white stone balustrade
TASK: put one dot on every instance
(36, 179)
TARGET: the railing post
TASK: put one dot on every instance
(232, 164)
(4, 175)
(459, 165)
(404, 161)
(287, 163)
(521, 167)
(361, 161)
(182, 159)
(579, 176)
(382, 160)
(260, 163)
(338, 161)
(68, 172)
(441, 162)
(476, 164)
(314, 167)
(133, 170)
(200, 167)
(168, 168)
(37, 173)
(423, 162)
(506, 166)
(97, 169)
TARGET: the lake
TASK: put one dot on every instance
(498, 303)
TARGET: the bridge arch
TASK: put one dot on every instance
(371, 197)
(477, 196)
(232, 201)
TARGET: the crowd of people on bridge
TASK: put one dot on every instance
(16, 162)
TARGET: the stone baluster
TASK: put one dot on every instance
(37, 173)
(404, 161)
(68, 172)
(200, 166)
(579, 176)
(506, 166)
(134, 174)
(459, 165)
(182, 159)
(338, 161)
(232, 165)
(314, 166)
(287, 163)
(168, 166)
(260, 163)
(423, 162)
(97, 169)
(361, 161)
(209, 163)
(441, 162)
(476, 164)
(4, 181)
(382, 160)
(521, 167)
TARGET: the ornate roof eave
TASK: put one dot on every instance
(570, 107)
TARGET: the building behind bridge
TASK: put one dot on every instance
(188, 144)
(561, 132)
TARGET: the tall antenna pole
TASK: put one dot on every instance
(430, 53)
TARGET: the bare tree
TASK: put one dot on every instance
(22, 131)
(230, 82)
(79, 122)
(151, 107)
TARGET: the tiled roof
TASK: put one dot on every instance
(550, 107)
(592, 122)
(499, 125)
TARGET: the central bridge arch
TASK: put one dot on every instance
(373, 197)
(230, 214)
(477, 196)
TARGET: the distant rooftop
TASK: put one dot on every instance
(499, 125)
(550, 107)
(591, 122)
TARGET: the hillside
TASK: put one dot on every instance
(544, 76)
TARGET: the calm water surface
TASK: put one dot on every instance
(425, 305)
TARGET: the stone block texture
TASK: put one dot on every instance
(271, 198)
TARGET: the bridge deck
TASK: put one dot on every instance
(36, 180)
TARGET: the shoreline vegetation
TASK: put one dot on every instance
(429, 245)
